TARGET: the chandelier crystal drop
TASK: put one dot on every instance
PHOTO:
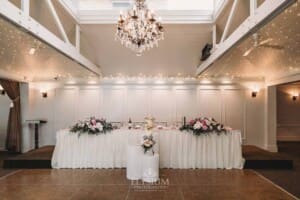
(139, 29)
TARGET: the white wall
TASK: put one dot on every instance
(231, 105)
(288, 112)
(4, 112)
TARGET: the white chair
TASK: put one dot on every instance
(134, 162)
(150, 168)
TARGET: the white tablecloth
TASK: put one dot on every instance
(177, 149)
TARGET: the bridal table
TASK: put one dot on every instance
(176, 149)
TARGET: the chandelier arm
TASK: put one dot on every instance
(139, 30)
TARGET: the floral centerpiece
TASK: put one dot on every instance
(92, 126)
(148, 143)
(204, 125)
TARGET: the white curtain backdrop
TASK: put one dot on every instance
(176, 149)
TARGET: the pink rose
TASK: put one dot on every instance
(192, 122)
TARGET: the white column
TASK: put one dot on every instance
(271, 119)
(27, 143)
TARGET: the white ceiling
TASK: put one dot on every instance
(44, 65)
(178, 53)
(270, 63)
(153, 4)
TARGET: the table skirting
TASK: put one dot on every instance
(176, 149)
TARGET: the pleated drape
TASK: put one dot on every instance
(13, 138)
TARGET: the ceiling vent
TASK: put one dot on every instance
(121, 3)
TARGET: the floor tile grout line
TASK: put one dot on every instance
(10, 174)
(128, 192)
(73, 194)
(181, 193)
(277, 186)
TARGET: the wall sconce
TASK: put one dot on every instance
(294, 97)
(254, 93)
(44, 94)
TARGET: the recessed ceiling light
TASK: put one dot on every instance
(32, 51)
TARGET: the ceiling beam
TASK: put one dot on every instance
(77, 37)
(20, 18)
(253, 6)
(25, 6)
(214, 37)
(229, 20)
(57, 21)
(218, 11)
(13, 76)
(70, 8)
(287, 78)
(267, 11)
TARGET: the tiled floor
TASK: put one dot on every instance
(112, 184)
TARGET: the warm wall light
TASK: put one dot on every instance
(2, 91)
(254, 94)
(294, 97)
(44, 94)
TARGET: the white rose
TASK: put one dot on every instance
(197, 125)
(207, 122)
(147, 144)
(99, 126)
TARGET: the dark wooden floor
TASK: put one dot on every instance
(112, 184)
(3, 156)
(287, 179)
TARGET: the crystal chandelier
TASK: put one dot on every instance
(138, 29)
